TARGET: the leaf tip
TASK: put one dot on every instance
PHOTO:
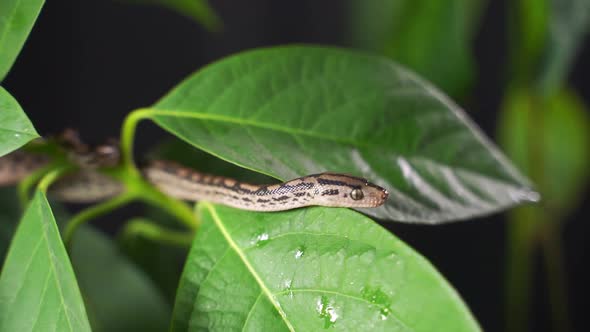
(526, 195)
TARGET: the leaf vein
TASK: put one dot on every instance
(42, 297)
(252, 310)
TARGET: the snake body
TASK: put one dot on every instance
(84, 186)
(17, 165)
(325, 189)
(90, 185)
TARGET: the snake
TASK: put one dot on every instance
(324, 189)
(89, 185)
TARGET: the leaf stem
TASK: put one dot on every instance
(24, 187)
(179, 209)
(556, 281)
(136, 189)
(128, 135)
(134, 181)
(93, 212)
(149, 230)
(51, 176)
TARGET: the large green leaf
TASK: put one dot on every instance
(38, 289)
(309, 270)
(119, 297)
(16, 21)
(15, 128)
(419, 34)
(293, 111)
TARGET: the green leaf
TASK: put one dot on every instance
(549, 138)
(16, 21)
(309, 270)
(15, 128)
(11, 213)
(568, 24)
(420, 33)
(198, 10)
(38, 289)
(293, 111)
(119, 297)
(103, 274)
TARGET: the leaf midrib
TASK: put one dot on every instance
(263, 125)
(294, 132)
(247, 263)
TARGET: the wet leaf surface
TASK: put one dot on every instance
(309, 270)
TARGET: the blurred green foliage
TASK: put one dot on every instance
(431, 37)
(198, 10)
(545, 127)
(548, 139)
(544, 124)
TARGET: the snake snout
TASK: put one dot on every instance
(384, 194)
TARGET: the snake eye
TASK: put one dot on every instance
(356, 194)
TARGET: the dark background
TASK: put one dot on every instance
(88, 63)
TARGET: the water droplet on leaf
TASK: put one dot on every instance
(287, 286)
(327, 311)
(262, 239)
(376, 296)
(299, 252)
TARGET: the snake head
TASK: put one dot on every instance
(108, 155)
(348, 191)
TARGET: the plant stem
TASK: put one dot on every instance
(136, 189)
(552, 253)
(521, 245)
(93, 212)
(128, 134)
(177, 208)
(24, 187)
(51, 176)
(145, 191)
(147, 229)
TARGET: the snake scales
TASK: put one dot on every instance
(88, 185)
